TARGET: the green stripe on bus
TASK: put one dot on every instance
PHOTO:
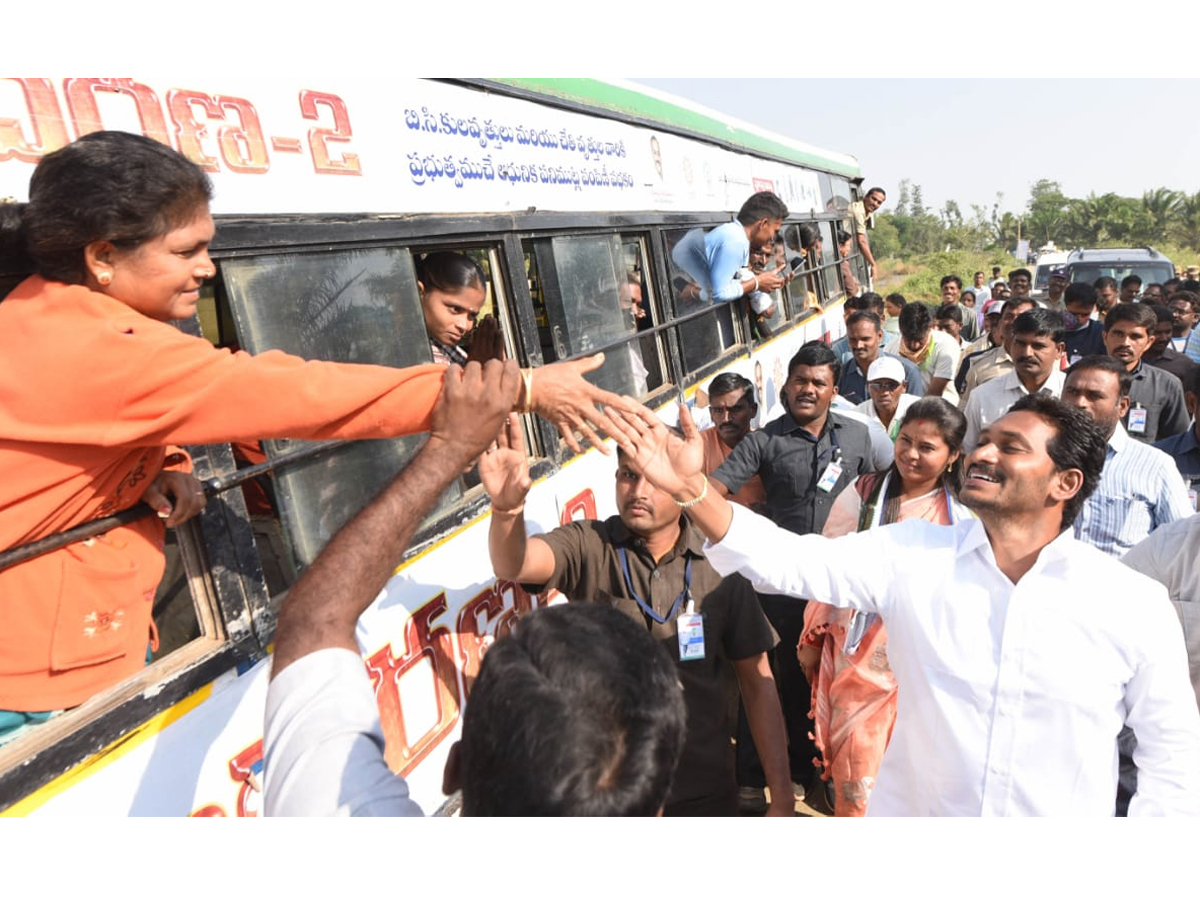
(629, 102)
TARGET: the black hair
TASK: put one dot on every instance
(763, 205)
(809, 235)
(1137, 313)
(896, 299)
(1078, 443)
(864, 315)
(449, 272)
(1040, 322)
(952, 425)
(1015, 272)
(816, 353)
(728, 382)
(875, 190)
(1191, 299)
(868, 301)
(1080, 293)
(1016, 301)
(1104, 363)
(915, 321)
(1104, 281)
(951, 311)
(579, 712)
(951, 279)
(1190, 285)
(1162, 313)
(1131, 279)
(107, 186)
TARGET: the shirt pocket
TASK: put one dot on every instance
(1127, 519)
(99, 606)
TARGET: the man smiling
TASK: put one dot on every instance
(1023, 650)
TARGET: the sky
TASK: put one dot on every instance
(967, 139)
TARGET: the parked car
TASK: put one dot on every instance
(1145, 262)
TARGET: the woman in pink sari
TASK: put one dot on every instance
(844, 652)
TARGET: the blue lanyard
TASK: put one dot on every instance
(646, 607)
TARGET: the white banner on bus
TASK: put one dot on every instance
(408, 146)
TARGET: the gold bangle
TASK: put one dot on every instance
(527, 380)
(687, 504)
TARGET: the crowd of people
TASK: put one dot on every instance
(909, 583)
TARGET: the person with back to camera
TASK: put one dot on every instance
(843, 652)
(96, 387)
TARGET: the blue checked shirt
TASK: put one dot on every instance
(1139, 489)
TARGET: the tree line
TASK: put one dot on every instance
(1161, 217)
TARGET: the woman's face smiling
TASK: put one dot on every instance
(160, 278)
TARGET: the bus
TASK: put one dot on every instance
(566, 192)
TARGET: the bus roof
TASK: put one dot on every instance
(646, 106)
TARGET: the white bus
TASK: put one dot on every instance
(563, 191)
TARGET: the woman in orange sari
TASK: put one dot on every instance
(844, 652)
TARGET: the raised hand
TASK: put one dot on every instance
(504, 467)
(562, 396)
(672, 463)
(487, 341)
(473, 404)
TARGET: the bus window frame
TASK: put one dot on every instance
(221, 541)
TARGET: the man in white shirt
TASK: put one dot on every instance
(888, 400)
(933, 352)
(1036, 349)
(1020, 652)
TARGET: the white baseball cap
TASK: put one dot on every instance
(887, 367)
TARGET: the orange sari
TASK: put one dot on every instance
(854, 695)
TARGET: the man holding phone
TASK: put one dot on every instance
(714, 260)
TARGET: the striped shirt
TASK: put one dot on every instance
(1140, 489)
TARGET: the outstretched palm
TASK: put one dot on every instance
(504, 468)
(668, 461)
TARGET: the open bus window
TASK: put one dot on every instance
(704, 338)
(359, 306)
(589, 294)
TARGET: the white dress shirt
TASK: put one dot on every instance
(992, 399)
(1011, 696)
(1140, 489)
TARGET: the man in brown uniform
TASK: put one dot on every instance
(648, 563)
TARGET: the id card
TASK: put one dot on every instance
(1137, 420)
(690, 627)
(830, 476)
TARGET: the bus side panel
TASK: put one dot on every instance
(422, 641)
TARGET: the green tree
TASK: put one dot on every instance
(1047, 212)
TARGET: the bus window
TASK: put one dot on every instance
(779, 311)
(359, 306)
(827, 274)
(704, 338)
(586, 299)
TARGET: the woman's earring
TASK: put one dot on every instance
(104, 278)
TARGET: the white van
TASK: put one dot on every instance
(1046, 262)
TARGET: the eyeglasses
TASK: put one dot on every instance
(885, 385)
